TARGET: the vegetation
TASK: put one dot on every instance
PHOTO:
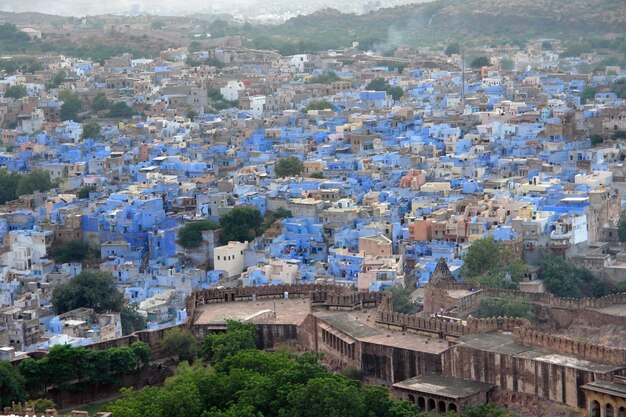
(241, 224)
(491, 263)
(66, 365)
(481, 61)
(85, 190)
(15, 91)
(14, 185)
(23, 65)
(10, 33)
(12, 385)
(100, 102)
(239, 336)
(57, 79)
(245, 382)
(218, 101)
(92, 289)
(402, 302)
(453, 49)
(72, 251)
(379, 84)
(564, 279)
(506, 307)
(132, 321)
(326, 78)
(318, 105)
(177, 342)
(587, 95)
(190, 235)
(72, 105)
(506, 64)
(120, 110)
(318, 175)
(288, 167)
(91, 130)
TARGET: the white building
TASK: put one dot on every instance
(230, 258)
(257, 106)
(232, 90)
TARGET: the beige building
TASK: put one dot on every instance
(230, 258)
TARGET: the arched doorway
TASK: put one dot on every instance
(431, 405)
(594, 409)
(412, 398)
(609, 411)
(621, 412)
(452, 407)
(441, 407)
(421, 403)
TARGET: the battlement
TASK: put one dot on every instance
(350, 300)
(569, 347)
(444, 327)
(553, 301)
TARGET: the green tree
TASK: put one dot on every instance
(40, 405)
(71, 251)
(453, 49)
(318, 105)
(326, 78)
(506, 307)
(36, 180)
(91, 130)
(546, 45)
(157, 25)
(241, 224)
(92, 289)
(191, 114)
(596, 139)
(132, 320)
(100, 102)
(620, 134)
(8, 185)
(481, 61)
(507, 64)
(377, 84)
(395, 92)
(58, 79)
(401, 298)
(12, 385)
(85, 190)
(288, 167)
(239, 336)
(190, 235)
(120, 110)
(143, 353)
(15, 91)
(587, 95)
(491, 263)
(564, 279)
(177, 342)
(72, 105)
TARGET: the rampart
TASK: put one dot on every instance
(566, 346)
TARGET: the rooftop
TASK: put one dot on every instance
(444, 386)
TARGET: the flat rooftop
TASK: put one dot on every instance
(606, 387)
(502, 342)
(288, 311)
(445, 386)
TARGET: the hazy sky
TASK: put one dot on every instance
(182, 7)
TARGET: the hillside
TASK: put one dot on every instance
(469, 21)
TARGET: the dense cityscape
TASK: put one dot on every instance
(221, 229)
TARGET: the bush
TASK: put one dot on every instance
(288, 167)
(72, 251)
(190, 235)
(241, 224)
(177, 342)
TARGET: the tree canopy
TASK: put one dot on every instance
(245, 382)
(92, 289)
(621, 228)
(243, 223)
(72, 105)
(506, 307)
(493, 264)
(453, 48)
(71, 251)
(190, 235)
(481, 61)
(12, 385)
(402, 302)
(326, 78)
(288, 167)
(318, 105)
(564, 279)
(15, 91)
(379, 84)
(100, 102)
(91, 130)
(121, 110)
(14, 185)
(181, 343)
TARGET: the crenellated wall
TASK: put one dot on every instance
(569, 347)
(445, 327)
